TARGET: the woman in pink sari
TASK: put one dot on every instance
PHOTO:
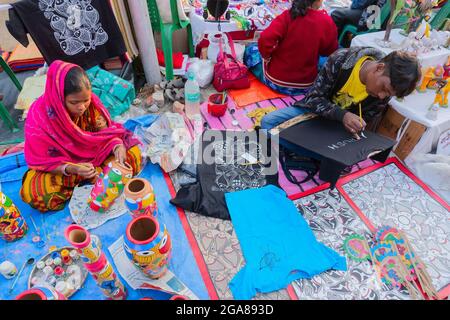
(69, 124)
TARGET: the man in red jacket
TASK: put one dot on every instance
(290, 47)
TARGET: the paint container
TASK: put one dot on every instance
(40, 265)
(59, 271)
(57, 261)
(216, 107)
(8, 269)
(48, 270)
(49, 262)
(74, 255)
(52, 280)
(67, 260)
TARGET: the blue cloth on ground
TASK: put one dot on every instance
(52, 226)
(276, 241)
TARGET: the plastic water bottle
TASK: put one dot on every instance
(192, 96)
(432, 112)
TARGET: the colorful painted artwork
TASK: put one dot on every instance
(333, 221)
(388, 196)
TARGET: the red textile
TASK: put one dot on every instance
(177, 59)
(291, 48)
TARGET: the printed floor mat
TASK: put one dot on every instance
(332, 221)
(390, 194)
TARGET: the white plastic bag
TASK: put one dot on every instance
(204, 71)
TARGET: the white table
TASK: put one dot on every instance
(415, 106)
(431, 58)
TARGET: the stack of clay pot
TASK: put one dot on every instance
(95, 262)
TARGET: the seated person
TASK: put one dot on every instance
(356, 15)
(68, 123)
(289, 49)
(358, 77)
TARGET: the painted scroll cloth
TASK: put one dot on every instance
(85, 216)
(332, 221)
(387, 196)
(220, 251)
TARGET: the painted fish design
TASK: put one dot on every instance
(72, 46)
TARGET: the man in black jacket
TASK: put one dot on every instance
(378, 78)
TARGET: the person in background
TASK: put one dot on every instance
(69, 124)
(287, 55)
(354, 78)
(356, 15)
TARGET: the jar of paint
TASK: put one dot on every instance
(8, 269)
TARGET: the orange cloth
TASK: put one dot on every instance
(257, 92)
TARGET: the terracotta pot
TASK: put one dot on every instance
(12, 224)
(140, 198)
(41, 293)
(109, 185)
(148, 245)
(95, 262)
(178, 297)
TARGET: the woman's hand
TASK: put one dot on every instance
(120, 153)
(85, 170)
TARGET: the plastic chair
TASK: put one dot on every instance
(440, 17)
(4, 114)
(385, 11)
(167, 30)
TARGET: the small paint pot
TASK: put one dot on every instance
(67, 260)
(215, 106)
(52, 248)
(65, 253)
(49, 262)
(40, 265)
(57, 261)
(48, 270)
(59, 271)
(74, 254)
(8, 269)
(55, 255)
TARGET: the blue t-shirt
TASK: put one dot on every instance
(276, 241)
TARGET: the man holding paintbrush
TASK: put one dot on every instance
(354, 87)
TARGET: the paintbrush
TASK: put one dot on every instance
(224, 95)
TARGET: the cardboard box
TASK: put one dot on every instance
(390, 126)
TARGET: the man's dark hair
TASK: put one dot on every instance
(300, 7)
(75, 81)
(404, 71)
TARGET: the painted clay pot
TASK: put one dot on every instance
(12, 224)
(41, 293)
(140, 198)
(147, 244)
(178, 297)
(95, 262)
(109, 185)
